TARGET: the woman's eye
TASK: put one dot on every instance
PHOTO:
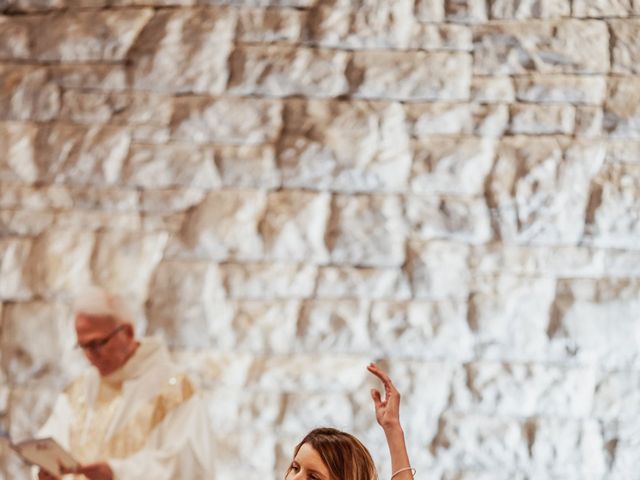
(295, 467)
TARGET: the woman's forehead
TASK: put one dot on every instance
(309, 458)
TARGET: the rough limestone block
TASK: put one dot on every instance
(261, 327)
(492, 89)
(508, 9)
(226, 120)
(438, 269)
(564, 447)
(333, 326)
(411, 76)
(263, 3)
(329, 409)
(238, 409)
(117, 108)
(60, 263)
(95, 77)
(489, 121)
(283, 70)
(18, 146)
(430, 11)
(14, 195)
(183, 165)
(95, 221)
(525, 390)
(623, 151)
(540, 188)
(15, 276)
(589, 121)
(233, 448)
(84, 36)
(373, 25)
(480, 442)
(185, 300)
(33, 350)
(422, 330)
(616, 396)
(585, 310)
(127, 258)
(166, 201)
(602, 8)
(614, 208)
(467, 11)
(369, 283)
(223, 226)
(28, 93)
(72, 154)
(538, 88)
(316, 372)
(436, 118)
(260, 25)
(622, 108)
(529, 119)
(263, 281)
(25, 223)
(560, 46)
(463, 219)
(183, 51)
(294, 226)
(626, 48)
(446, 36)
(344, 146)
(568, 261)
(367, 231)
(509, 317)
(451, 165)
(248, 166)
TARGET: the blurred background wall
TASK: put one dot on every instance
(288, 189)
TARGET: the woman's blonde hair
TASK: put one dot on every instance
(344, 455)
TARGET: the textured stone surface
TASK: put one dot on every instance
(622, 107)
(278, 71)
(603, 8)
(240, 121)
(521, 9)
(153, 166)
(539, 88)
(28, 93)
(343, 147)
(223, 226)
(450, 165)
(294, 226)
(626, 51)
(439, 269)
(466, 220)
(509, 316)
(584, 309)
(367, 231)
(522, 168)
(183, 51)
(375, 24)
(616, 191)
(411, 75)
(72, 36)
(563, 46)
(286, 190)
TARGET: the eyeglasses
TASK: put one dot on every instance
(98, 343)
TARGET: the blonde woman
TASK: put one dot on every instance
(329, 454)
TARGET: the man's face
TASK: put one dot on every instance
(104, 341)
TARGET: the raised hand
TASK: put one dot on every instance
(387, 409)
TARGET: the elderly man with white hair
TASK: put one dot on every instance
(133, 416)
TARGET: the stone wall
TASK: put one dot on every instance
(288, 189)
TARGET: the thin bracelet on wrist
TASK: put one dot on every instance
(413, 472)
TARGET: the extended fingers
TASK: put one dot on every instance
(382, 375)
